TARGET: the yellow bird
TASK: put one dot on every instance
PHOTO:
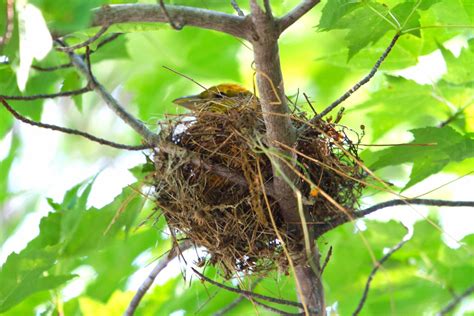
(219, 99)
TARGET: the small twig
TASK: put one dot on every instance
(326, 260)
(174, 252)
(295, 14)
(107, 40)
(372, 274)
(71, 131)
(237, 301)
(237, 8)
(248, 293)
(185, 76)
(47, 96)
(455, 302)
(310, 104)
(52, 68)
(273, 309)
(453, 116)
(360, 83)
(9, 25)
(342, 220)
(89, 41)
(167, 15)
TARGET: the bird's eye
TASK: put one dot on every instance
(219, 95)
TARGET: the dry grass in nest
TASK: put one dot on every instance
(227, 213)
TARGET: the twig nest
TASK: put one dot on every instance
(217, 192)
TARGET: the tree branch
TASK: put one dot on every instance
(174, 252)
(47, 96)
(360, 83)
(431, 202)
(87, 42)
(122, 13)
(294, 15)
(372, 274)
(455, 302)
(70, 131)
(148, 136)
(248, 293)
(280, 130)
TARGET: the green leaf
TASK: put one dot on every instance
(447, 146)
(460, 69)
(402, 102)
(24, 274)
(67, 16)
(71, 82)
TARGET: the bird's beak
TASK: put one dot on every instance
(188, 102)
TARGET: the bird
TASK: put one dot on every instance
(219, 99)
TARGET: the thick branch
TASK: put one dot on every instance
(294, 15)
(122, 13)
(280, 130)
(430, 202)
(174, 252)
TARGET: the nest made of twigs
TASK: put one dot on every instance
(217, 191)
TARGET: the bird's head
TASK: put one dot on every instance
(225, 95)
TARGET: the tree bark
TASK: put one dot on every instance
(279, 129)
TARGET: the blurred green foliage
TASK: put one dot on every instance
(333, 47)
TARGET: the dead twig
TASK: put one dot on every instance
(372, 274)
(145, 286)
(326, 260)
(455, 302)
(70, 131)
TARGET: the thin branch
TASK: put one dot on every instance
(9, 25)
(89, 41)
(47, 96)
(294, 15)
(123, 13)
(430, 202)
(148, 136)
(237, 8)
(167, 15)
(273, 309)
(107, 40)
(360, 83)
(248, 293)
(455, 302)
(52, 68)
(145, 286)
(372, 274)
(70, 131)
(326, 260)
(237, 301)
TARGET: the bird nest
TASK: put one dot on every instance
(213, 184)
